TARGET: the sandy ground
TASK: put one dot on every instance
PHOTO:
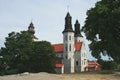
(46, 76)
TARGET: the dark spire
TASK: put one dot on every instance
(77, 29)
(31, 30)
(68, 24)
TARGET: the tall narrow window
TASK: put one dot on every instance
(66, 49)
(70, 47)
(84, 61)
(69, 37)
(77, 63)
(66, 57)
(65, 38)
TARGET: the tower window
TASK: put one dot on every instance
(84, 61)
(77, 63)
(66, 56)
(69, 37)
(65, 38)
(66, 49)
(70, 47)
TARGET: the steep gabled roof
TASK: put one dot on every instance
(59, 47)
(78, 46)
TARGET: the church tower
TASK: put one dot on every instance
(31, 30)
(78, 36)
(82, 60)
(68, 41)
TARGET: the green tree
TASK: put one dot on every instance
(102, 28)
(107, 65)
(22, 54)
(44, 57)
(18, 48)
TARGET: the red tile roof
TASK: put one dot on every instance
(58, 65)
(94, 66)
(93, 63)
(59, 47)
(78, 46)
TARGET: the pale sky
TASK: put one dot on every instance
(48, 17)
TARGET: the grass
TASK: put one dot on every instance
(98, 72)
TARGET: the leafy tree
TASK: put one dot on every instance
(102, 28)
(44, 57)
(22, 54)
(18, 47)
(107, 65)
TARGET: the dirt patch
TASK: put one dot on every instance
(46, 76)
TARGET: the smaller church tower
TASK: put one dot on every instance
(78, 36)
(32, 31)
(68, 41)
(82, 60)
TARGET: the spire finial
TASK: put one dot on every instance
(68, 5)
(68, 8)
(77, 22)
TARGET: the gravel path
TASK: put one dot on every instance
(46, 76)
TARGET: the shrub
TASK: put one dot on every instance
(106, 72)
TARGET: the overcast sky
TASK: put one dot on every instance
(47, 16)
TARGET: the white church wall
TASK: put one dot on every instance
(83, 58)
(59, 55)
(78, 39)
(77, 61)
(68, 52)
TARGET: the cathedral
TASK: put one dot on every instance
(71, 54)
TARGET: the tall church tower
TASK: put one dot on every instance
(78, 36)
(32, 31)
(68, 41)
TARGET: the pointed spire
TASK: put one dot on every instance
(31, 30)
(31, 25)
(68, 24)
(77, 29)
(68, 15)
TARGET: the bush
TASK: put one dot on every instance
(118, 67)
(106, 72)
(109, 65)
(8, 72)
